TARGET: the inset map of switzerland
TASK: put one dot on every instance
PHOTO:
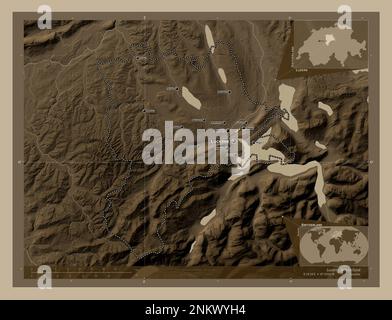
(97, 95)
(337, 245)
(330, 45)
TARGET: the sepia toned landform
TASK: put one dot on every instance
(91, 88)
